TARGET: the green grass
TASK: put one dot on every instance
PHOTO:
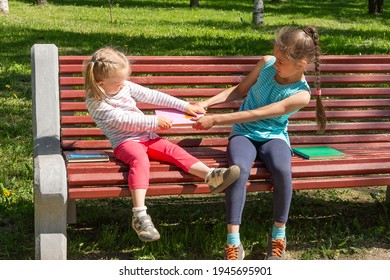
(322, 225)
(328, 224)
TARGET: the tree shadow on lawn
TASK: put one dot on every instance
(160, 4)
(343, 11)
(74, 43)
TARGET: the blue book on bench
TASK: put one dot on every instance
(318, 152)
(85, 156)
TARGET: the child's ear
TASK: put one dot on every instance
(302, 64)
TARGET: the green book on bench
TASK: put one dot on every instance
(318, 152)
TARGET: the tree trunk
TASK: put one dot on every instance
(258, 12)
(194, 3)
(4, 6)
(379, 8)
(375, 6)
(41, 2)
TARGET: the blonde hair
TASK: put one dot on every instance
(104, 64)
(303, 44)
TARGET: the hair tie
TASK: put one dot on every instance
(93, 60)
(318, 92)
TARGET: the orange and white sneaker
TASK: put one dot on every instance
(234, 252)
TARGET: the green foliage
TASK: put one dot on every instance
(171, 27)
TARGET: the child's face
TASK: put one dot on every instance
(286, 68)
(114, 84)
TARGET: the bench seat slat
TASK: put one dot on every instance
(159, 190)
(219, 159)
(358, 168)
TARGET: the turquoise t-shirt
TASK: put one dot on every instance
(264, 92)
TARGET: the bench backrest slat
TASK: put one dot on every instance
(229, 68)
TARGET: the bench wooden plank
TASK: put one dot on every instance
(231, 68)
(328, 59)
(329, 104)
(161, 190)
(359, 167)
(208, 92)
(230, 80)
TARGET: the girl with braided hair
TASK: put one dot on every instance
(274, 90)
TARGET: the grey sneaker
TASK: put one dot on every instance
(276, 249)
(234, 252)
(145, 229)
(221, 178)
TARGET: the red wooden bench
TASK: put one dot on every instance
(355, 92)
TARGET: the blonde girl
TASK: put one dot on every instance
(112, 102)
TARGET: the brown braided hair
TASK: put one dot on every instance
(297, 44)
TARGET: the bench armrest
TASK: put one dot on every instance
(46, 101)
(50, 183)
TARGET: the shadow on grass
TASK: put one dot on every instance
(17, 227)
(194, 228)
(159, 4)
(343, 11)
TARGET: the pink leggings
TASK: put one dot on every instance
(137, 155)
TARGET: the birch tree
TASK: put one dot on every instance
(4, 6)
(258, 12)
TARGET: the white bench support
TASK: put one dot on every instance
(50, 184)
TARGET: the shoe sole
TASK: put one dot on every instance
(148, 240)
(233, 173)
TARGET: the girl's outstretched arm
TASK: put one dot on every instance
(276, 109)
(238, 91)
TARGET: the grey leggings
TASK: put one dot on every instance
(276, 155)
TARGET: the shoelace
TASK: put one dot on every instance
(231, 252)
(277, 247)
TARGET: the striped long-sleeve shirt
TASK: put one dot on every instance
(120, 119)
